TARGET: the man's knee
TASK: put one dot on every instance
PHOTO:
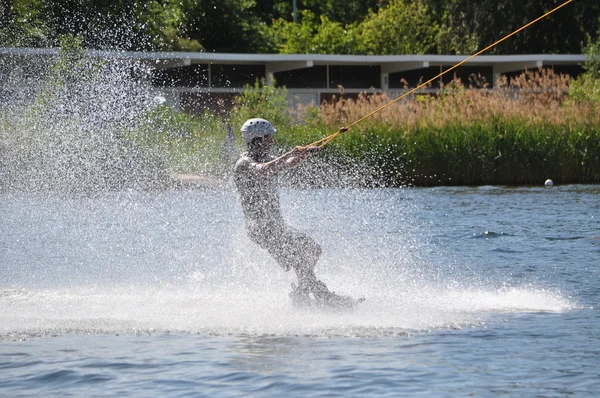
(315, 252)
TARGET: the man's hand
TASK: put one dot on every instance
(312, 149)
(305, 152)
(299, 154)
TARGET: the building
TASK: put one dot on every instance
(194, 81)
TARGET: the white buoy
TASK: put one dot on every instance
(549, 183)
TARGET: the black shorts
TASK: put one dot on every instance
(288, 246)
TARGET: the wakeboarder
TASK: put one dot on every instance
(256, 178)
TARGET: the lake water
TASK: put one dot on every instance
(489, 291)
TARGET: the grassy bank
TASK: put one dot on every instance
(488, 152)
(525, 131)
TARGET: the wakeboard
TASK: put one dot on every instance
(323, 300)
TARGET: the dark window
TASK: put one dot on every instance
(412, 78)
(470, 76)
(184, 76)
(236, 75)
(354, 76)
(315, 77)
(572, 70)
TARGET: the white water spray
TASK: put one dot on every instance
(98, 258)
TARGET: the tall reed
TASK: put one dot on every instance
(522, 132)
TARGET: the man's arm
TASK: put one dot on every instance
(288, 160)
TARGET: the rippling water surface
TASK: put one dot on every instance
(469, 291)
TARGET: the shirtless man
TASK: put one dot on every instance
(255, 176)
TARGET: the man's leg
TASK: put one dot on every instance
(306, 254)
(296, 250)
(308, 284)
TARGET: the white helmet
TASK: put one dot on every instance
(256, 127)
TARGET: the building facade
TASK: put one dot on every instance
(195, 81)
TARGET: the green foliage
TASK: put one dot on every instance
(200, 144)
(345, 12)
(479, 150)
(401, 27)
(325, 26)
(22, 23)
(314, 35)
(71, 59)
(592, 65)
(69, 140)
(471, 28)
(101, 24)
(495, 152)
(193, 144)
(265, 101)
(587, 86)
(163, 20)
(226, 26)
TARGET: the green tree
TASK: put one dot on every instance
(22, 23)
(325, 26)
(343, 11)
(470, 28)
(100, 23)
(265, 100)
(165, 21)
(592, 66)
(227, 26)
(314, 35)
(587, 86)
(401, 27)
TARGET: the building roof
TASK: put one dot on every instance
(307, 60)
